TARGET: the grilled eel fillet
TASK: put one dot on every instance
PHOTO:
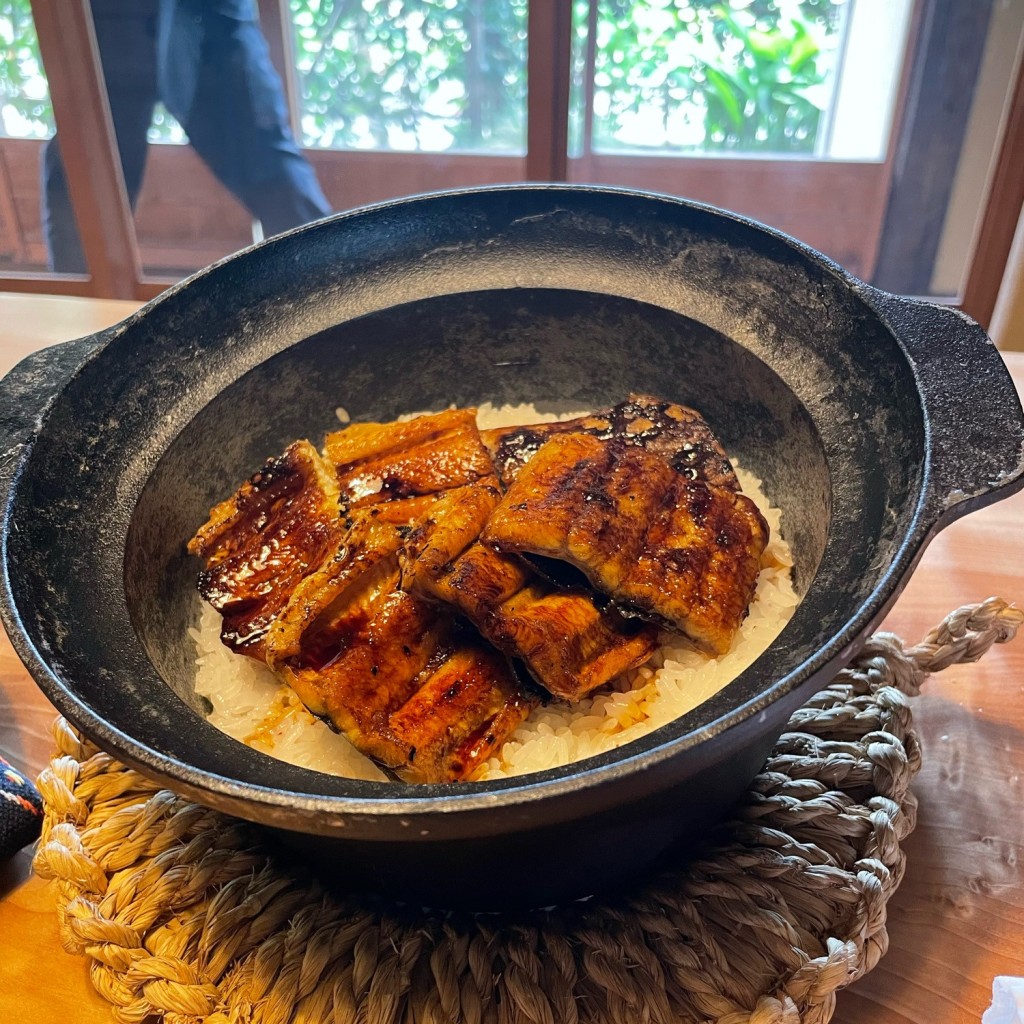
(258, 544)
(387, 668)
(681, 550)
(385, 665)
(316, 596)
(383, 462)
(566, 643)
(391, 670)
(678, 435)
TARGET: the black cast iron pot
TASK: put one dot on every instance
(874, 421)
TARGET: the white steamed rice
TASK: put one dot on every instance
(251, 704)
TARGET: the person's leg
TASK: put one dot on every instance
(63, 246)
(238, 124)
(126, 45)
(292, 197)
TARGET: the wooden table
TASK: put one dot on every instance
(956, 922)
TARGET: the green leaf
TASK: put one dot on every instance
(725, 92)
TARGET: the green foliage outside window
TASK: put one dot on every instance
(747, 76)
(669, 75)
(24, 100)
(412, 74)
(25, 110)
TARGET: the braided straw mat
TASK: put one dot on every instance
(185, 916)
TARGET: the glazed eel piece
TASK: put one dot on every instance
(669, 546)
(257, 545)
(306, 563)
(312, 587)
(675, 433)
(394, 672)
(565, 641)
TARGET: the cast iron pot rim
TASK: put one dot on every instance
(396, 799)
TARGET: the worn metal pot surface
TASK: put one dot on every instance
(873, 421)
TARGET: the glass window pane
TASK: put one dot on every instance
(164, 128)
(412, 75)
(706, 77)
(26, 119)
(865, 128)
(860, 113)
(25, 111)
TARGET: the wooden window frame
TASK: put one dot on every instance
(112, 249)
(67, 42)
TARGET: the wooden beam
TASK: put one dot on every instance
(150, 287)
(12, 242)
(1002, 211)
(67, 43)
(276, 23)
(945, 70)
(45, 283)
(548, 70)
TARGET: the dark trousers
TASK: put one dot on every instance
(216, 77)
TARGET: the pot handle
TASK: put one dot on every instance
(973, 416)
(27, 391)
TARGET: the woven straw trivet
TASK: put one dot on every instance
(184, 915)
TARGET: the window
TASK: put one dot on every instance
(25, 111)
(770, 78)
(26, 118)
(792, 112)
(865, 128)
(427, 76)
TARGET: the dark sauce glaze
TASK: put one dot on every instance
(673, 432)
(282, 528)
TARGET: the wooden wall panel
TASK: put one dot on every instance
(831, 206)
(67, 43)
(355, 179)
(21, 163)
(12, 245)
(185, 218)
